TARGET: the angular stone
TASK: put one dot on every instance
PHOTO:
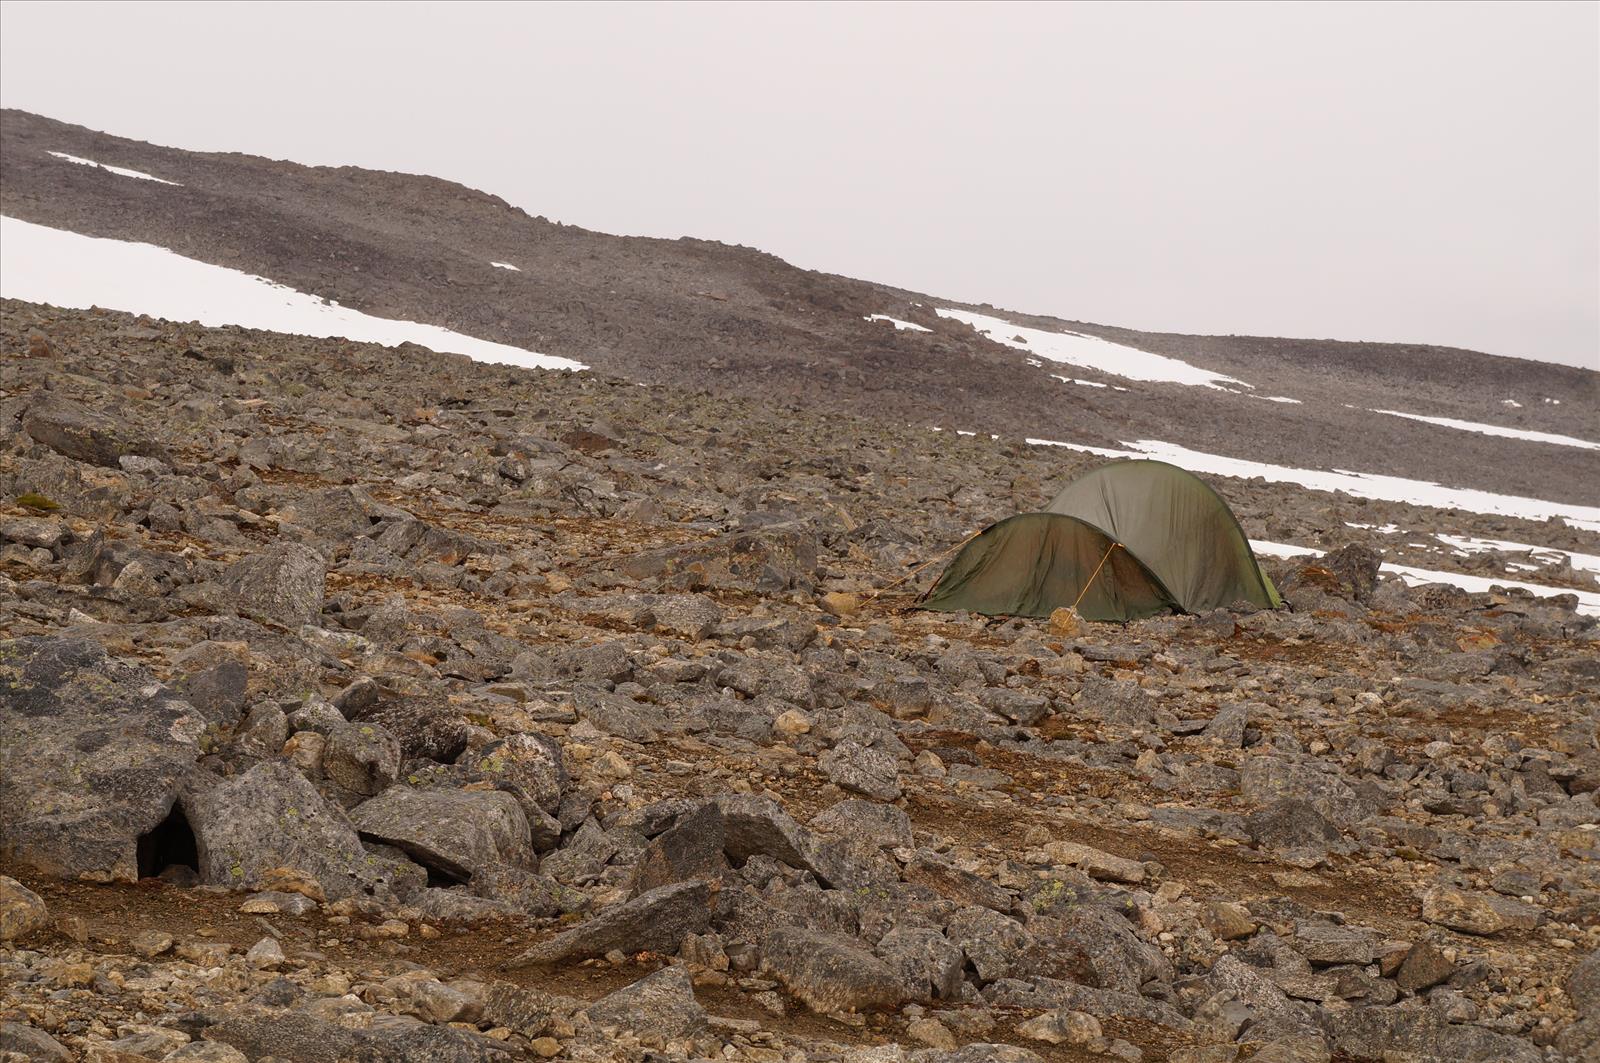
(1063, 1026)
(1290, 823)
(693, 616)
(457, 832)
(93, 753)
(31, 1043)
(1095, 863)
(885, 826)
(282, 584)
(692, 848)
(862, 769)
(1325, 944)
(928, 964)
(1583, 986)
(1478, 913)
(528, 1011)
(829, 973)
(660, 1005)
(1423, 968)
(651, 922)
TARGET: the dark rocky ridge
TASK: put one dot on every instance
(471, 713)
(737, 321)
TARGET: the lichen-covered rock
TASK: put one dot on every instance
(272, 817)
(282, 584)
(364, 758)
(1478, 913)
(828, 972)
(93, 752)
(456, 832)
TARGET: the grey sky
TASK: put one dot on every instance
(1424, 173)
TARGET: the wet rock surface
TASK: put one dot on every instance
(381, 705)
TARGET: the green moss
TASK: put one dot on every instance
(34, 500)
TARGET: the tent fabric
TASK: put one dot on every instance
(1178, 526)
(1034, 563)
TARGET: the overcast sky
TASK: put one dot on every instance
(1425, 173)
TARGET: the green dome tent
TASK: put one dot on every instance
(1127, 540)
(1034, 563)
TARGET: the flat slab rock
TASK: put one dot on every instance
(93, 752)
(651, 922)
(831, 973)
(459, 832)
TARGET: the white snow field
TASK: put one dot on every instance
(45, 265)
(898, 324)
(1356, 484)
(1588, 601)
(119, 170)
(1091, 352)
(1498, 430)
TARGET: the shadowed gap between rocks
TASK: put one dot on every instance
(169, 844)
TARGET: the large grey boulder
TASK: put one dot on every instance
(457, 832)
(272, 817)
(829, 972)
(660, 1004)
(1420, 1033)
(93, 753)
(692, 848)
(651, 922)
(31, 1043)
(862, 769)
(79, 433)
(283, 584)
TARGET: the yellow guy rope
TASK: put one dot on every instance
(1096, 572)
(924, 565)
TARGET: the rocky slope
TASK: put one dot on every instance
(370, 704)
(738, 322)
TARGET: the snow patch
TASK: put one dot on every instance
(1588, 601)
(45, 265)
(1498, 430)
(1513, 403)
(1356, 484)
(1091, 352)
(506, 265)
(1278, 398)
(898, 324)
(118, 170)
